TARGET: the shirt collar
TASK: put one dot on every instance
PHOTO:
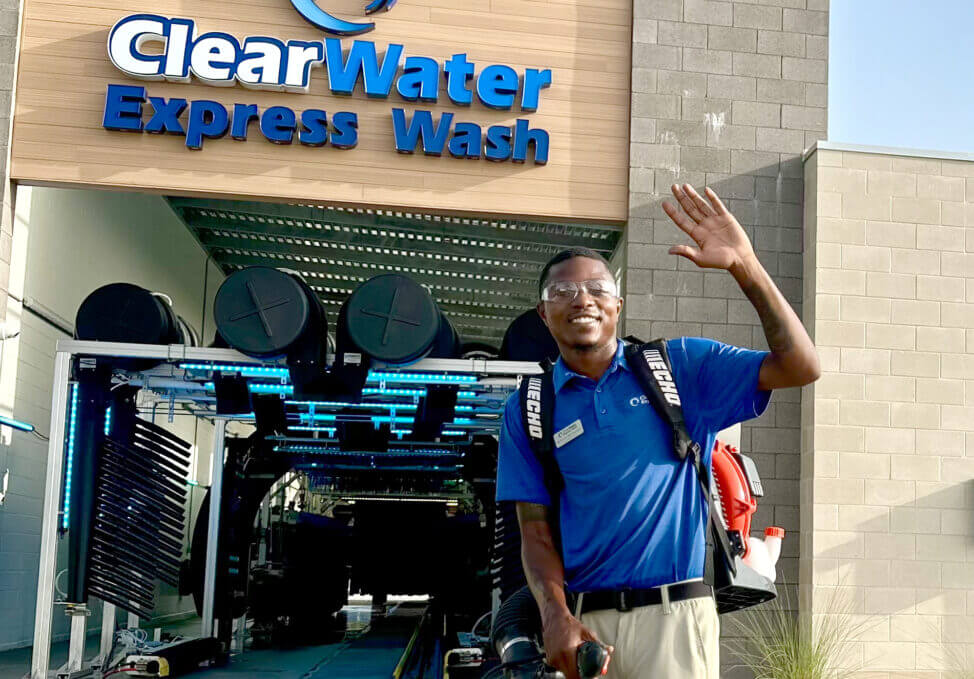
(562, 374)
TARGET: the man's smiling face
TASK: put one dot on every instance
(587, 322)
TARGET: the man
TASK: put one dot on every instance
(632, 515)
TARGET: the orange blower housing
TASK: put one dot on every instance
(737, 485)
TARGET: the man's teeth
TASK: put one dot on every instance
(584, 320)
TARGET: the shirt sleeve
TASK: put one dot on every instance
(519, 474)
(726, 381)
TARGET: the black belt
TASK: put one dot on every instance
(627, 599)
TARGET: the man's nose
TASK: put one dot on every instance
(583, 299)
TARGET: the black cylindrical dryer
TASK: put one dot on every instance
(266, 313)
(528, 339)
(270, 313)
(393, 319)
(122, 312)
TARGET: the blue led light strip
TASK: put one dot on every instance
(108, 420)
(370, 391)
(330, 430)
(421, 377)
(285, 389)
(445, 432)
(72, 429)
(16, 424)
(339, 404)
(246, 370)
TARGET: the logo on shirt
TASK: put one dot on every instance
(640, 400)
(533, 407)
(662, 376)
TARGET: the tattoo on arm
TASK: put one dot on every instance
(770, 306)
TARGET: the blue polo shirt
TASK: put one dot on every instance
(632, 514)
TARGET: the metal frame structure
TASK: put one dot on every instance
(482, 272)
(66, 351)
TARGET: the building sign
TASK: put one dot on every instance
(288, 100)
(220, 59)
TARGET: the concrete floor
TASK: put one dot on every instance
(374, 654)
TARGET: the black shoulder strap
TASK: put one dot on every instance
(537, 395)
(651, 364)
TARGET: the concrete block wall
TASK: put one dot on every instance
(727, 94)
(888, 469)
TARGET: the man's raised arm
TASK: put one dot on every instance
(723, 244)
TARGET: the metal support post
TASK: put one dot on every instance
(213, 527)
(107, 631)
(240, 633)
(76, 648)
(44, 612)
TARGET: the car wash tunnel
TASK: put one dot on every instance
(354, 370)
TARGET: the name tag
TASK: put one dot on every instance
(569, 433)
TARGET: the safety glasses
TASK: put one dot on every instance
(563, 292)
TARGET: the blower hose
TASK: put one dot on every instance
(515, 635)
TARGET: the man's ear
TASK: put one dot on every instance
(620, 302)
(541, 312)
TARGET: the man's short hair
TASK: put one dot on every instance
(564, 256)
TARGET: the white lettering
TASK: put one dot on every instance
(261, 67)
(125, 42)
(533, 407)
(215, 58)
(662, 376)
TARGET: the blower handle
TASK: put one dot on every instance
(592, 660)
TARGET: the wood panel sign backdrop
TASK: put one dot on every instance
(507, 107)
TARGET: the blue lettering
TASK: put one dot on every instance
(523, 136)
(243, 115)
(362, 59)
(314, 124)
(407, 138)
(497, 86)
(467, 141)
(207, 120)
(278, 124)
(498, 143)
(534, 82)
(166, 116)
(420, 80)
(457, 72)
(123, 108)
(345, 135)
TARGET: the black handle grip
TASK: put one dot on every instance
(592, 660)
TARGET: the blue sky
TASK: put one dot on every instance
(901, 73)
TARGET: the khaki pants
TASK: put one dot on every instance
(653, 644)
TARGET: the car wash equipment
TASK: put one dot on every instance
(271, 313)
(128, 494)
(122, 312)
(516, 638)
(528, 339)
(736, 585)
(394, 320)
